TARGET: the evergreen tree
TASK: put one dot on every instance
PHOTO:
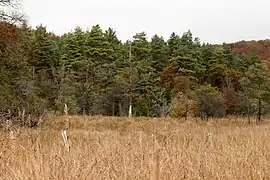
(256, 86)
(160, 53)
(75, 53)
(173, 43)
(41, 51)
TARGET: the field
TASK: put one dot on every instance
(137, 148)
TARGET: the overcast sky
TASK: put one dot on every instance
(213, 21)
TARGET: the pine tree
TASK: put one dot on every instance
(173, 43)
(75, 53)
(160, 53)
(256, 86)
(41, 50)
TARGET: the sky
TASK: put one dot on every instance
(213, 21)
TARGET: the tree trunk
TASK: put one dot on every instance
(249, 121)
(186, 113)
(259, 110)
(120, 108)
(113, 108)
(130, 108)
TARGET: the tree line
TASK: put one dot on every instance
(94, 73)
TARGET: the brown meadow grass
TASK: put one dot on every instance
(137, 148)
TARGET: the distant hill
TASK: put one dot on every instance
(260, 48)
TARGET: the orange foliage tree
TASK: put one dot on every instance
(8, 35)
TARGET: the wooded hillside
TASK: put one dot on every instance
(260, 48)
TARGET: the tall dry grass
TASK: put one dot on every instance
(138, 148)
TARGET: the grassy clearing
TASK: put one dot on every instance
(138, 148)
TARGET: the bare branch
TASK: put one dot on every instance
(10, 12)
(10, 3)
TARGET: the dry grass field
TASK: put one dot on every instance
(137, 148)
